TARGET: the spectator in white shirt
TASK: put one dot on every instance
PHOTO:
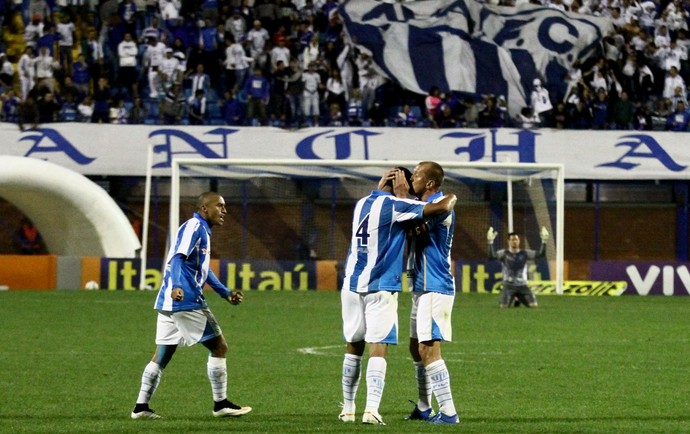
(66, 43)
(662, 38)
(647, 16)
(85, 109)
(168, 68)
(170, 11)
(280, 53)
(335, 90)
(671, 82)
(676, 16)
(6, 72)
(237, 64)
(311, 52)
(236, 25)
(45, 66)
(310, 94)
(127, 74)
(32, 31)
(27, 73)
(540, 101)
(257, 38)
(155, 52)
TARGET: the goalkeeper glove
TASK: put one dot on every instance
(491, 235)
(544, 234)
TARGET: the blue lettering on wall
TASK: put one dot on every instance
(654, 151)
(476, 147)
(195, 147)
(49, 140)
(342, 142)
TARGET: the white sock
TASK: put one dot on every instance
(149, 382)
(423, 387)
(352, 370)
(218, 376)
(440, 384)
(376, 380)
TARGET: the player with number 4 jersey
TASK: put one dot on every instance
(373, 279)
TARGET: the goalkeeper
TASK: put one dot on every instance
(514, 265)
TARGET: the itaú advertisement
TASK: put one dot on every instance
(645, 277)
(123, 274)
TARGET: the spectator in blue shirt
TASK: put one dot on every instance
(127, 11)
(49, 39)
(600, 111)
(208, 45)
(101, 100)
(197, 108)
(10, 106)
(406, 117)
(231, 110)
(81, 74)
(257, 90)
(678, 120)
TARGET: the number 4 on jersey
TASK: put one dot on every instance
(363, 231)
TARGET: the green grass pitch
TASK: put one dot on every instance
(71, 361)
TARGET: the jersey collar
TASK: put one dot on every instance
(381, 193)
(203, 221)
(434, 196)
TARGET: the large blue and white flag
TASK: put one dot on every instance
(467, 46)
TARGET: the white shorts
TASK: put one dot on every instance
(371, 317)
(186, 328)
(430, 316)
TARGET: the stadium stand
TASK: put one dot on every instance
(646, 58)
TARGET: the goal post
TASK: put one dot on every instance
(520, 197)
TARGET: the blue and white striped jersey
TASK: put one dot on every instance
(375, 260)
(432, 253)
(193, 241)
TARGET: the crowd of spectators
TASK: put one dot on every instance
(286, 63)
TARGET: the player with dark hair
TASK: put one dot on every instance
(514, 265)
(184, 318)
(373, 279)
(433, 294)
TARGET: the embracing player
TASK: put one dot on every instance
(373, 279)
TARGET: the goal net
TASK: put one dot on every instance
(301, 210)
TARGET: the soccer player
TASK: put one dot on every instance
(514, 265)
(432, 300)
(184, 318)
(373, 279)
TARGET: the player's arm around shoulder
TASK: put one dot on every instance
(446, 204)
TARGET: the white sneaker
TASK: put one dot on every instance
(372, 418)
(345, 416)
(145, 414)
(232, 410)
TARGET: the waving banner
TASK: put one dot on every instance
(466, 46)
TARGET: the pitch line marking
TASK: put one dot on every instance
(318, 351)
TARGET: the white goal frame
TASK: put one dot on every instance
(558, 168)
